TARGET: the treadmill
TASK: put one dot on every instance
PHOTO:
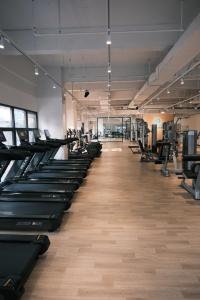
(67, 141)
(18, 257)
(6, 157)
(28, 214)
(33, 169)
(13, 184)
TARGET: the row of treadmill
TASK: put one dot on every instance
(36, 190)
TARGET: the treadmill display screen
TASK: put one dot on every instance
(36, 134)
(2, 136)
(47, 134)
(23, 136)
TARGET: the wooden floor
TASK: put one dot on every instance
(130, 235)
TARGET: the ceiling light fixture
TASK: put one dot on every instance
(182, 81)
(54, 86)
(109, 69)
(109, 42)
(2, 46)
(86, 93)
(168, 91)
(108, 85)
(162, 112)
(36, 71)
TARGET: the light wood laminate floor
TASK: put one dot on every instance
(131, 234)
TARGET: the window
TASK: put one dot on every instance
(5, 116)
(12, 118)
(9, 138)
(32, 120)
(20, 118)
(31, 137)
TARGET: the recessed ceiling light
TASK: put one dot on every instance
(108, 85)
(182, 81)
(162, 112)
(54, 86)
(168, 91)
(109, 69)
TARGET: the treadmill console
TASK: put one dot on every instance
(36, 134)
(2, 136)
(47, 134)
(23, 135)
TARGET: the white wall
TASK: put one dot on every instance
(69, 111)
(50, 106)
(191, 123)
(17, 82)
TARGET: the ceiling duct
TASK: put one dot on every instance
(185, 49)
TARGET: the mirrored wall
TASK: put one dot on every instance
(116, 129)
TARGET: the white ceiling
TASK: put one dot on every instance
(72, 34)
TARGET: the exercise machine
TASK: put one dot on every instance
(191, 164)
(18, 257)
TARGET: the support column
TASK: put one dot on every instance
(71, 112)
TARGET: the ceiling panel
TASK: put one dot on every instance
(141, 30)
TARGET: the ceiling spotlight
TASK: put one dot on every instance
(109, 69)
(86, 93)
(54, 86)
(109, 42)
(168, 91)
(182, 81)
(162, 112)
(108, 85)
(2, 46)
(158, 98)
(36, 71)
(190, 102)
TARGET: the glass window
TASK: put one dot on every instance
(20, 118)
(5, 116)
(32, 120)
(9, 138)
(12, 118)
(31, 137)
(17, 139)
